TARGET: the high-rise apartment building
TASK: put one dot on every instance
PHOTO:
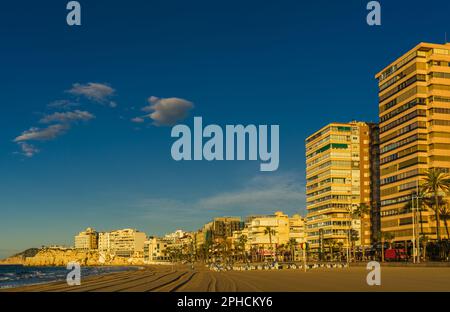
(374, 156)
(341, 161)
(414, 111)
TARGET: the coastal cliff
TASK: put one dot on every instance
(20, 257)
(62, 256)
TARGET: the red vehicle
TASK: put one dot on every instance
(398, 254)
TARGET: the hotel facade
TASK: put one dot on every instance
(414, 112)
(86, 240)
(278, 222)
(221, 228)
(122, 243)
(284, 229)
(157, 249)
(341, 171)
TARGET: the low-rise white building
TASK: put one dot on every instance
(122, 243)
(178, 234)
(157, 249)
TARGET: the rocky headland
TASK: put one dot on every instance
(62, 256)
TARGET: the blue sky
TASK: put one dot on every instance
(299, 65)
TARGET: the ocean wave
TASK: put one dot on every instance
(16, 276)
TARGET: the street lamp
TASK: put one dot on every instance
(416, 244)
(413, 229)
(348, 244)
(349, 210)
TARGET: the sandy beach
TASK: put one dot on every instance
(183, 278)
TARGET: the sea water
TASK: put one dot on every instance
(18, 275)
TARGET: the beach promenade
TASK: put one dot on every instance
(183, 278)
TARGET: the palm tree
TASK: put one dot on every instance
(206, 250)
(332, 243)
(354, 237)
(224, 250)
(444, 212)
(280, 250)
(292, 243)
(194, 241)
(436, 181)
(269, 231)
(175, 253)
(241, 243)
(424, 240)
(423, 203)
(360, 212)
(340, 246)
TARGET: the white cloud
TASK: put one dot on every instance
(137, 119)
(167, 111)
(97, 92)
(67, 117)
(44, 134)
(261, 195)
(28, 149)
(62, 121)
(62, 104)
